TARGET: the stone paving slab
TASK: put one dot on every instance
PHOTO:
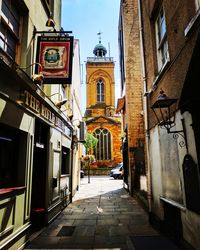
(102, 216)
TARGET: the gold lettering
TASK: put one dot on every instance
(37, 106)
(48, 114)
(32, 102)
(27, 97)
(52, 118)
(42, 110)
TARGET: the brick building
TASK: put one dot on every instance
(170, 53)
(130, 105)
(100, 109)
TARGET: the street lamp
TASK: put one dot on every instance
(165, 116)
(162, 111)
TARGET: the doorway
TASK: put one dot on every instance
(39, 174)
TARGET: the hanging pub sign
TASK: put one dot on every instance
(54, 57)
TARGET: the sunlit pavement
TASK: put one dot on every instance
(101, 216)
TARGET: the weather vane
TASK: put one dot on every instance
(99, 34)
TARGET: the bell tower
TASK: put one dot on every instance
(100, 83)
(100, 116)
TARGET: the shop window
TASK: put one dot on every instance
(103, 150)
(13, 146)
(9, 27)
(161, 40)
(100, 91)
(65, 167)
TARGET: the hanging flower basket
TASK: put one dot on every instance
(88, 159)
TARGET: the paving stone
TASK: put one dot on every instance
(105, 242)
(44, 242)
(102, 230)
(85, 222)
(119, 230)
(84, 231)
(103, 216)
(108, 222)
(51, 231)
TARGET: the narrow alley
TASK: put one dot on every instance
(101, 216)
(109, 89)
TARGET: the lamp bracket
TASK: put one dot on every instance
(182, 133)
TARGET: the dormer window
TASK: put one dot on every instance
(100, 90)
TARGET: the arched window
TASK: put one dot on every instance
(100, 90)
(103, 149)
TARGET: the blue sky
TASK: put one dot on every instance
(85, 18)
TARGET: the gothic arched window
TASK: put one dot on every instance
(103, 149)
(100, 90)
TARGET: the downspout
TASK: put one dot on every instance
(145, 107)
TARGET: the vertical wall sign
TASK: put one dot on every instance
(55, 55)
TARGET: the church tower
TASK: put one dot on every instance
(100, 116)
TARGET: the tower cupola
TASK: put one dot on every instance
(99, 49)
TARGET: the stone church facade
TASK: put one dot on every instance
(100, 116)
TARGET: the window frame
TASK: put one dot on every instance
(100, 91)
(10, 32)
(103, 150)
(197, 4)
(162, 48)
(65, 163)
(13, 171)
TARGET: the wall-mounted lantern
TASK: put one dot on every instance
(60, 102)
(166, 117)
(37, 78)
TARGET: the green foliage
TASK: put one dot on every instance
(90, 143)
(88, 160)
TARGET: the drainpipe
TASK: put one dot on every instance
(145, 106)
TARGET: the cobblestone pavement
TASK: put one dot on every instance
(101, 216)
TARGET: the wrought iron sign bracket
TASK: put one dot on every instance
(51, 32)
(182, 133)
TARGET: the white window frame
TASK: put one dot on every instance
(161, 40)
(197, 3)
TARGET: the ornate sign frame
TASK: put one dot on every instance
(55, 56)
